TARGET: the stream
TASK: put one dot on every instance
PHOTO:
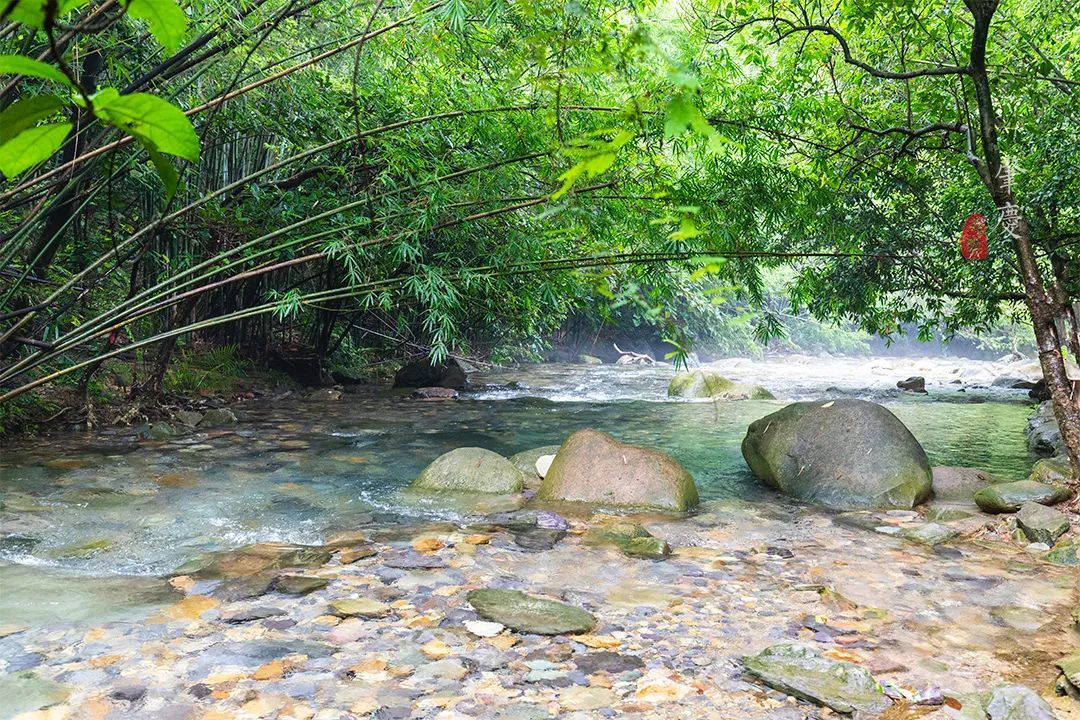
(83, 513)
(92, 526)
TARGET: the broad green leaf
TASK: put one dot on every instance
(26, 113)
(20, 65)
(32, 146)
(32, 12)
(165, 171)
(168, 23)
(156, 122)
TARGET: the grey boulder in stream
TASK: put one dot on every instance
(839, 453)
(471, 470)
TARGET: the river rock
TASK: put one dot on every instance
(914, 384)
(1009, 497)
(189, 417)
(526, 461)
(708, 384)
(842, 453)
(359, 607)
(216, 417)
(1051, 470)
(630, 537)
(424, 374)
(590, 360)
(299, 584)
(255, 559)
(1044, 437)
(1070, 674)
(1041, 524)
(1066, 552)
(528, 614)
(1017, 702)
(959, 484)
(471, 469)
(801, 671)
(434, 393)
(594, 467)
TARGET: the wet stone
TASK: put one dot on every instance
(242, 615)
(412, 560)
(528, 614)
(609, 662)
(1041, 524)
(801, 671)
(299, 584)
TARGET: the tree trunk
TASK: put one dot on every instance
(1041, 302)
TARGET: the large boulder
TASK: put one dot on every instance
(708, 384)
(1009, 497)
(594, 467)
(840, 453)
(471, 469)
(526, 461)
(424, 374)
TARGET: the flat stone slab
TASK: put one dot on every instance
(359, 607)
(801, 671)
(1040, 523)
(528, 614)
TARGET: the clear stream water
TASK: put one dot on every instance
(87, 531)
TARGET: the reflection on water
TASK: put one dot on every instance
(298, 469)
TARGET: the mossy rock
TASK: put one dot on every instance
(801, 671)
(471, 470)
(256, 559)
(593, 467)
(1041, 524)
(525, 461)
(630, 537)
(707, 384)
(528, 614)
(1066, 552)
(959, 484)
(843, 454)
(1010, 497)
(1052, 470)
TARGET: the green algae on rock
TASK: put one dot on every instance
(528, 614)
(594, 467)
(841, 453)
(630, 537)
(471, 470)
(708, 384)
(1066, 552)
(1009, 497)
(801, 671)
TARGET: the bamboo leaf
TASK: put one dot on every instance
(19, 65)
(32, 146)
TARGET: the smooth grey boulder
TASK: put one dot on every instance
(1018, 702)
(473, 470)
(801, 671)
(839, 453)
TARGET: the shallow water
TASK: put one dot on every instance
(297, 469)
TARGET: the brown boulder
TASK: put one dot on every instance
(594, 467)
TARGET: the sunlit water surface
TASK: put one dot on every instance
(86, 532)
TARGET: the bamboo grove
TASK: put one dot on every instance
(364, 180)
